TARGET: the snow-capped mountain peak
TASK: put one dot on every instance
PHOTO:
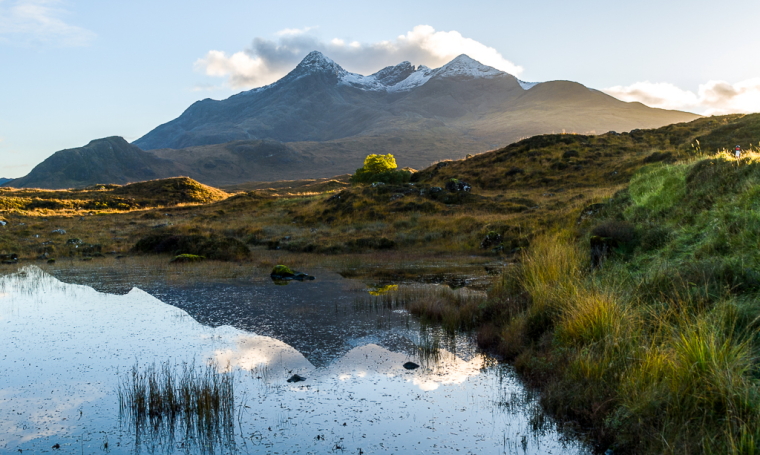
(464, 65)
(315, 61)
(398, 78)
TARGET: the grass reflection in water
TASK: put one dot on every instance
(196, 403)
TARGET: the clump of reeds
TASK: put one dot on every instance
(160, 400)
(455, 309)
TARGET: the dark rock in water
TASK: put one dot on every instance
(284, 273)
(303, 277)
(296, 378)
(411, 366)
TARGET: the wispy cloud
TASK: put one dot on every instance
(712, 98)
(266, 60)
(39, 22)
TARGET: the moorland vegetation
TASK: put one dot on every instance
(626, 267)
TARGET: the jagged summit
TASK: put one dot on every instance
(392, 75)
(316, 61)
(398, 78)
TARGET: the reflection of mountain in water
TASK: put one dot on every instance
(317, 318)
(67, 346)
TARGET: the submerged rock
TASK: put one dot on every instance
(411, 366)
(296, 378)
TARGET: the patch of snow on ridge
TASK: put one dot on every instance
(399, 78)
(527, 85)
(362, 82)
(466, 66)
(417, 78)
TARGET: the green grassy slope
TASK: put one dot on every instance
(656, 348)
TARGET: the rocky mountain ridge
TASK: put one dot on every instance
(321, 120)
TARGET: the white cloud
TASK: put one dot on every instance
(39, 22)
(712, 98)
(265, 61)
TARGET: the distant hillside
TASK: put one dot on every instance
(572, 160)
(109, 160)
(4, 180)
(140, 195)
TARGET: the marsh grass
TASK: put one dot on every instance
(158, 402)
(454, 309)
(656, 351)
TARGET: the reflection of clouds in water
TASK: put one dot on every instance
(450, 369)
(45, 414)
(371, 358)
(252, 352)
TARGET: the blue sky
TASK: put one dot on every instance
(76, 70)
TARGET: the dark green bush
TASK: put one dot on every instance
(218, 248)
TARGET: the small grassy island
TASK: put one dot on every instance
(622, 270)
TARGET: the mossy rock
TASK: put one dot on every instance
(282, 270)
(285, 273)
(184, 258)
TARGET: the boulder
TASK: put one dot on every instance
(455, 186)
(284, 273)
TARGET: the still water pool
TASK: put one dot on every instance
(65, 348)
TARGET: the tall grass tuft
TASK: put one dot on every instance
(161, 401)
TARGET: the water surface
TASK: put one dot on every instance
(65, 348)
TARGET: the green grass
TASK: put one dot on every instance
(656, 349)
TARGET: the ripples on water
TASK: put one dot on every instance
(66, 347)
